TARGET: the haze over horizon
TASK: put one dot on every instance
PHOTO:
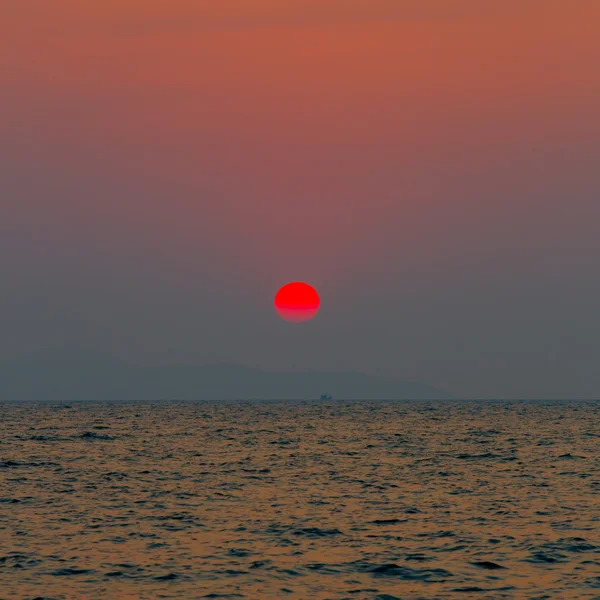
(430, 167)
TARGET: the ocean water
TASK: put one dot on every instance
(328, 500)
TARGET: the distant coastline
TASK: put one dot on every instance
(73, 374)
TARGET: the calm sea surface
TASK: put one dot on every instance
(301, 501)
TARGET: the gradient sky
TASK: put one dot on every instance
(432, 167)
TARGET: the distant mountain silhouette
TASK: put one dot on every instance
(72, 374)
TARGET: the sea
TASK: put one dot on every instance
(300, 500)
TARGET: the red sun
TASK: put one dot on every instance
(297, 302)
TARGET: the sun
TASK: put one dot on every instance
(297, 302)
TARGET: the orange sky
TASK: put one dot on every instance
(336, 71)
(381, 131)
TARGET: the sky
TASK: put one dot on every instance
(431, 167)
